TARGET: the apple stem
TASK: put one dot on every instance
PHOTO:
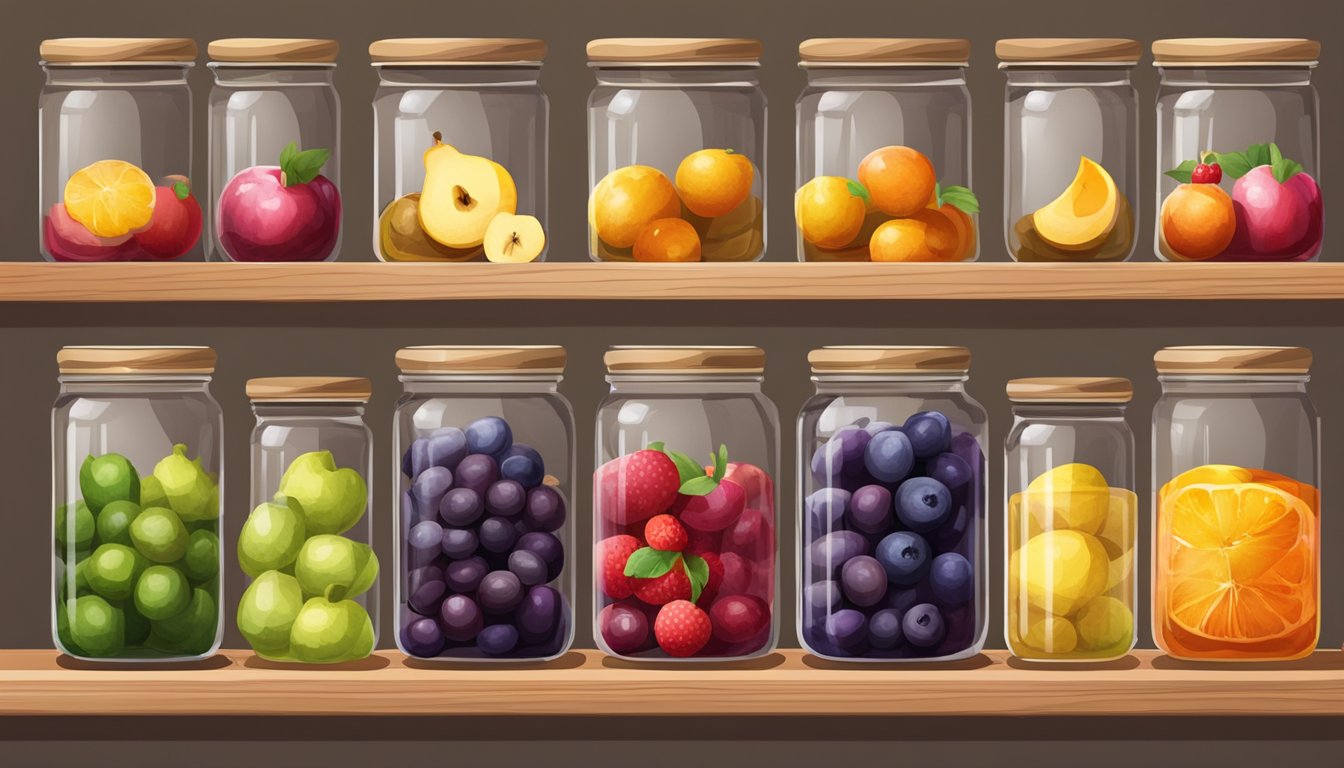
(284, 180)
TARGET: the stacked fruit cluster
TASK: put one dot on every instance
(890, 566)
(137, 560)
(481, 547)
(111, 211)
(285, 212)
(637, 213)
(685, 551)
(1091, 220)
(301, 603)
(1071, 566)
(1273, 214)
(896, 211)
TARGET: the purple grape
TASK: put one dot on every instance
(923, 626)
(847, 628)
(505, 498)
(522, 464)
(826, 508)
(624, 628)
(821, 598)
(426, 598)
(460, 618)
(905, 557)
(410, 511)
(951, 470)
(839, 456)
(477, 472)
(968, 448)
(953, 533)
(430, 486)
(902, 600)
(461, 507)
(422, 638)
(952, 580)
(463, 576)
(417, 576)
(447, 447)
(424, 543)
(416, 459)
(884, 629)
(490, 435)
(831, 551)
(459, 543)
(546, 546)
(878, 426)
(539, 616)
(889, 456)
(497, 639)
(870, 509)
(497, 534)
(499, 592)
(863, 580)
(930, 433)
(528, 567)
(545, 509)
(923, 504)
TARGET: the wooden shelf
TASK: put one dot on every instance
(348, 281)
(584, 683)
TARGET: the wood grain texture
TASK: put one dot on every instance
(585, 683)
(765, 281)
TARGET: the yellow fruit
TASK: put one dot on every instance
(713, 182)
(668, 240)
(627, 199)
(512, 239)
(111, 198)
(1119, 571)
(901, 240)
(1060, 570)
(1069, 496)
(461, 195)
(1104, 622)
(1118, 531)
(1052, 634)
(401, 238)
(1082, 217)
(830, 211)
(1208, 474)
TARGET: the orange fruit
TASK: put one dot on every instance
(965, 232)
(111, 198)
(900, 240)
(713, 182)
(830, 211)
(899, 179)
(668, 240)
(627, 199)
(1198, 221)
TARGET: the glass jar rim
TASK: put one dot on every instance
(128, 360)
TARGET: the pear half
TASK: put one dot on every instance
(461, 195)
(514, 239)
(1082, 217)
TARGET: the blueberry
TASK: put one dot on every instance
(923, 626)
(523, 464)
(528, 567)
(884, 629)
(545, 509)
(864, 581)
(904, 555)
(878, 426)
(832, 550)
(490, 435)
(464, 576)
(505, 498)
(500, 592)
(477, 472)
(497, 534)
(430, 486)
(923, 504)
(825, 509)
(951, 470)
(821, 598)
(841, 455)
(447, 447)
(459, 543)
(847, 628)
(889, 456)
(497, 639)
(968, 448)
(930, 433)
(902, 600)
(953, 532)
(461, 507)
(870, 509)
(952, 580)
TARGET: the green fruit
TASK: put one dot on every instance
(81, 586)
(151, 493)
(137, 626)
(190, 490)
(97, 627)
(332, 499)
(335, 567)
(267, 612)
(159, 535)
(114, 522)
(113, 569)
(75, 531)
(162, 592)
(108, 478)
(271, 538)
(201, 562)
(65, 642)
(200, 618)
(327, 632)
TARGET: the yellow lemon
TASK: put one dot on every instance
(1060, 570)
(111, 198)
(1104, 622)
(1071, 496)
(1119, 571)
(1053, 634)
(1117, 532)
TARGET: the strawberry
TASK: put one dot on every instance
(660, 590)
(665, 533)
(711, 588)
(681, 628)
(611, 556)
(636, 486)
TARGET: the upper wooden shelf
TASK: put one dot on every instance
(791, 281)
(785, 683)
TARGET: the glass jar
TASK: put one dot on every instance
(892, 532)
(307, 546)
(484, 448)
(137, 463)
(469, 116)
(884, 135)
(684, 517)
(115, 115)
(676, 150)
(275, 136)
(1236, 536)
(1071, 160)
(1237, 123)
(1071, 519)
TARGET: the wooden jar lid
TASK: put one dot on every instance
(892, 51)
(1070, 389)
(117, 50)
(1218, 360)
(136, 360)
(833, 360)
(274, 50)
(457, 50)
(685, 360)
(1068, 50)
(307, 389)
(1235, 51)
(467, 360)
(675, 50)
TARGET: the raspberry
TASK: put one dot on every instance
(681, 629)
(665, 533)
(673, 585)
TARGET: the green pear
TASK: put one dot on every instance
(332, 499)
(271, 537)
(108, 478)
(151, 492)
(267, 612)
(327, 632)
(335, 562)
(190, 490)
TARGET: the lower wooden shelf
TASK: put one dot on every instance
(585, 683)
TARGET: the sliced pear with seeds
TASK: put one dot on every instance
(514, 239)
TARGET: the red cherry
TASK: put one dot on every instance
(1207, 173)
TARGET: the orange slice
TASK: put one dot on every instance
(111, 198)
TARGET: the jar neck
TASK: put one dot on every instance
(1061, 76)
(435, 384)
(1069, 411)
(444, 76)
(840, 384)
(249, 75)
(140, 384)
(321, 410)
(1251, 77)
(1265, 384)
(678, 77)
(670, 384)
(117, 75)
(877, 77)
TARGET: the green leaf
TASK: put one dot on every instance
(697, 570)
(858, 190)
(658, 446)
(1183, 172)
(1258, 155)
(181, 189)
(302, 167)
(688, 468)
(960, 198)
(1275, 156)
(1234, 164)
(1285, 169)
(650, 563)
(287, 154)
(720, 463)
(698, 486)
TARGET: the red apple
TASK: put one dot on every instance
(1271, 217)
(176, 225)
(262, 216)
(67, 240)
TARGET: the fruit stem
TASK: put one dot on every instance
(438, 138)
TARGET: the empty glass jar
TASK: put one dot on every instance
(684, 517)
(137, 457)
(1238, 150)
(1236, 538)
(892, 554)
(884, 151)
(1071, 519)
(307, 546)
(459, 119)
(115, 141)
(484, 449)
(676, 150)
(275, 136)
(1071, 169)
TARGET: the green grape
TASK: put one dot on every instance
(159, 535)
(114, 522)
(113, 570)
(201, 562)
(108, 478)
(97, 627)
(162, 592)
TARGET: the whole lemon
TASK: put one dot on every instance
(1071, 496)
(1117, 532)
(1060, 570)
(1104, 622)
(1054, 635)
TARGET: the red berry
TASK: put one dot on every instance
(624, 627)
(711, 588)
(611, 556)
(760, 489)
(699, 542)
(660, 590)
(636, 486)
(738, 618)
(1207, 173)
(681, 629)
(715, 510)
(752, 536)
(665, 533)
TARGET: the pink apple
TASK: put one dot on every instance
(714, 511)
(67, 240)
(262, 219)
(1271, 217)
(176, 225)
(1310, 192)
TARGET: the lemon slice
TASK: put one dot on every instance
(111, 198)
